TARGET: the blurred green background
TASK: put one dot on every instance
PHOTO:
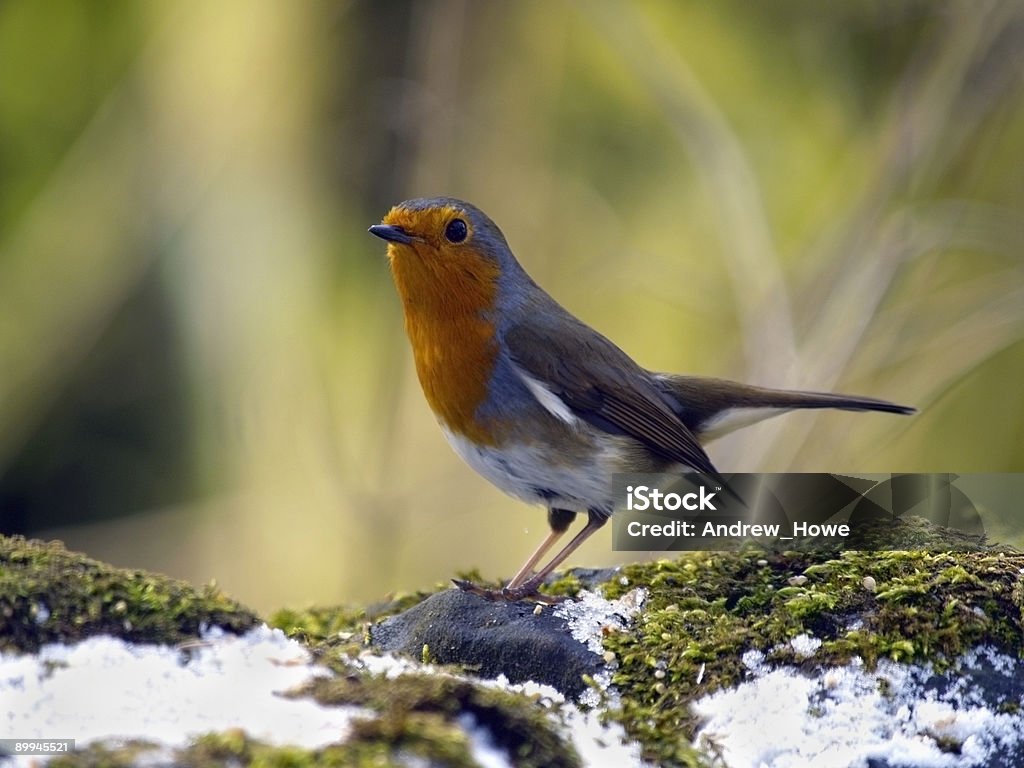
(203, 369)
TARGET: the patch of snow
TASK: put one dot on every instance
(485, 752)
(753, 660)
(104, 689)
(589, 615)
(898, 714)
(804, 645)
(598, 744)
(389, 666)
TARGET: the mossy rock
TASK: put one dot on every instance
(704, 611)
(48, 594)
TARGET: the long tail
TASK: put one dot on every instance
(714, 407)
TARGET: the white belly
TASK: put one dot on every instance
(532, 473)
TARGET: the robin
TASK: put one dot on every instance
(536, 401)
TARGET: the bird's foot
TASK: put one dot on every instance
(528, 590)
(476, 589)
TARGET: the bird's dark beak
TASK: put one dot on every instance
(390, 233)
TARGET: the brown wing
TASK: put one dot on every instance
(604, 387)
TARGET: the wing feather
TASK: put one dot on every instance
(603, 386)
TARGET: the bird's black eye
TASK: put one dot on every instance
(456, 231)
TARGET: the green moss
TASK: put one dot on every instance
(236, 748)
(233, 748)
(427, 735)
(320, 623)
(333, 633)
(126, 755)
(565, 584)
(48, 594)
(418, 714)
(706, 609)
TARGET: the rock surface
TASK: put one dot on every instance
(492, 638)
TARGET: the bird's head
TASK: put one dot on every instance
(446, 255)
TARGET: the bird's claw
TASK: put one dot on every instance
(525, 591)
(476, 589)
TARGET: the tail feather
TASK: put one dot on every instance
(714, 407)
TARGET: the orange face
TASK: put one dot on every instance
(447, 287)
(433, 271)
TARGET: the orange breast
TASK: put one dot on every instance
(452, 343)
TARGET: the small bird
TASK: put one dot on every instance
(536, 401)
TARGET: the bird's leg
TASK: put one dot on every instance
(529, 587)
(559, 520)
